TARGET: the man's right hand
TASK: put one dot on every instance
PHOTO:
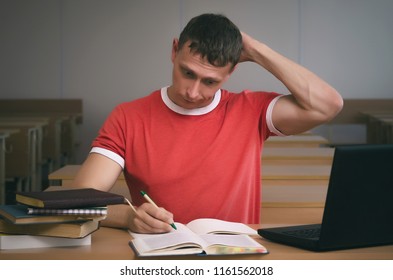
(150, 219)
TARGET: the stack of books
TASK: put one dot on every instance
(54, 218)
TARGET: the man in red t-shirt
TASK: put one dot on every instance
(194, 147)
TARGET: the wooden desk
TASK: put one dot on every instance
(56, 140)
(294, 185)
(4, 134)
(295, 172)
(108, 243)
(294, 193)
(70, 109)
(379, 126)
(299, 141)
(51, 138)
(28, 151)
(297, 156)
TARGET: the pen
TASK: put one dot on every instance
(145, 196)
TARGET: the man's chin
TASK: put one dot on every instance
(189, 106)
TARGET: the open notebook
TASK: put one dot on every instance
(200, 237)
(359, 203)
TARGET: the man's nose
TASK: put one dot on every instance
(193, 90)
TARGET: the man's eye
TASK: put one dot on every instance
(210, 82)
(188, 73)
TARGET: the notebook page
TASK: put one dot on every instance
(203, 226)
(168, 242)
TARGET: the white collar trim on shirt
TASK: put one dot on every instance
(190, 112)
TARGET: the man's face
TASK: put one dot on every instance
(195, 80)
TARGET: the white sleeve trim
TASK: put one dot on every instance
(269, 117)
(109, 154)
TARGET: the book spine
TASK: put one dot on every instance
(45, 211)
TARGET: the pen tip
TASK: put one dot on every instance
(174, 226)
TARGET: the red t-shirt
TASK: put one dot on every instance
(201, 163)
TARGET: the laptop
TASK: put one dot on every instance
(359, 204)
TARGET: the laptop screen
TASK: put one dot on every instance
(359, 203)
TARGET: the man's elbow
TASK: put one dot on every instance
(335, 106)
(331, 106)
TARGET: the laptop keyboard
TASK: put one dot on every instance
(305, 233)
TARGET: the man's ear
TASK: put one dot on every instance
(175, 48)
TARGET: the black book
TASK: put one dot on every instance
(69, 198)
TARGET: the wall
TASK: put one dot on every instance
(107, 52)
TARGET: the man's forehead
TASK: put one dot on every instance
(190, 59)
(204, 69)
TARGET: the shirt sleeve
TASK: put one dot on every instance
(110, 141)
(269, 119)
(109, 154)
(263, 104)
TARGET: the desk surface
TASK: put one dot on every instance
(297, 153)
(299, 138)
(302, 140)
(296, 172)
(109, 243)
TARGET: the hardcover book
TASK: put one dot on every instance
(200, 237)
(8, 242)
(69, 198)
(78, 229)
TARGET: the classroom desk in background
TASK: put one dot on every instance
(67, 113)
(379, 126)
(4, 134)
(61, 138)
(297, 156)
(112, 244)
(296, 141)
(51, 138)
(28, 150)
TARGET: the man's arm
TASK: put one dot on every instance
(101, 173)
(97, 172)
(312, 100)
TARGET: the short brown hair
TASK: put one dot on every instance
(215, 37)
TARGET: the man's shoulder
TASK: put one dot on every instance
(248, 95)
(140, 101)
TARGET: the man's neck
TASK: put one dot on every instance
(190, 112)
